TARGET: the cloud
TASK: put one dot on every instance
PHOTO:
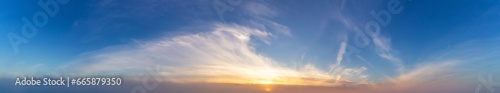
(432, 77)
(259, 13)
(259, 9)
(341, 52)
(342, 5)
(384, 50)
(223, 54)
(342, 49)
(438, 72)
(382, 44)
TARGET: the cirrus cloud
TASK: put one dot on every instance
(222, 54)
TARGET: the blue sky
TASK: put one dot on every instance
(308, 42)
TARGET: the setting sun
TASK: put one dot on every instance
(268, 89)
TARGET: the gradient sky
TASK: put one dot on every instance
(426, 45)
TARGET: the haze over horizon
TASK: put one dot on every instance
(249, 46)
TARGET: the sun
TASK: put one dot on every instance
(268, 89)
(267, 85)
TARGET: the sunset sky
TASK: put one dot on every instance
(255, 46)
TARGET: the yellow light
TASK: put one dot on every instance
(267, 82)
(268, 89)
(267, 85)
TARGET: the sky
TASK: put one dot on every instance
(280, 46)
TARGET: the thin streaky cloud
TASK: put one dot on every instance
(384, 50)
(223, 55)
(341, 52)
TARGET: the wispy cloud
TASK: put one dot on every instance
(342, 49)
(342, 4)
(438, 72)
(384, 50)
(222, 55)
(341, 52)
(259, 14)
(433, 77)
(382, 44)
(259, 9)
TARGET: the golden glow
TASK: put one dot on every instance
(267, 82)
(268, 89)
(269, 76)
(225, 55)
